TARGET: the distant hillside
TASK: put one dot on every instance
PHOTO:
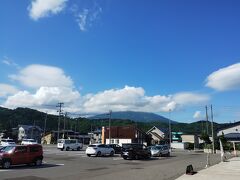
(134, 116)
(11, 118)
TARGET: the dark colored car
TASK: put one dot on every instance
(116, 147)
(135, 151)
(21, 154)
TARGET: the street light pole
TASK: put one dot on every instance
(170, 131)
(109, 126)
(213, 146)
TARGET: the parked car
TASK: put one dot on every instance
(7, 142)
(28, 141)
(135, 151)
(160, 150)
(116, 147)
(69, 144)
(99, 150)
(21, 154)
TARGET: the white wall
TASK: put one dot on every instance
(179, 145)
(235, 129)
(119, 141)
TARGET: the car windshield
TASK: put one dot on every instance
(158, 147)
(60, 141)
(29, 140)
(7, 149)
(92, 146)
(127, 146)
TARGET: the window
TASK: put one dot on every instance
(112, 141)
(22, 149)
(34, 149)
(116, 141)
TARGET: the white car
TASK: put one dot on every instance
(99, 150)
(28, 141)
(69, 144)
(7, 142)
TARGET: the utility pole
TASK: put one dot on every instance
(170, 131)
(60, 112)
(64, 124)
(206, 118)
(213, 147)
(45, 124)
(109, 125)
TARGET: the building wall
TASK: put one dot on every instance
(235, 129)
(188, 138)
(119, 141)
(47, 139)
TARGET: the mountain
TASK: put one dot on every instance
(134, 116)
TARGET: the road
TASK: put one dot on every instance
(73, 165)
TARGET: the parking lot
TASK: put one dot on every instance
(76, 165)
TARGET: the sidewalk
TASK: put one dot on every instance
(229, 170)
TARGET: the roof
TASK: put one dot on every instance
(164, 130)
(230, 125)
(232, 136)
(29, 127)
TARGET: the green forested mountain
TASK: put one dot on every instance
(11, 118)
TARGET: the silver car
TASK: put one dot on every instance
(160, 150)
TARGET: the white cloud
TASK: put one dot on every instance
(197, 115)
(36, 76)
(6, 89)
(43, 96)
(9, 62)
(87, 16)
(44, 8)
(134, 98)
(189, 98)
(127, 98)
(224, 79)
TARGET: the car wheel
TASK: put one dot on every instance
(78, 149)
(111, 153)
(38, 162)
(168, 154)
(88, 155)
(67, 148)
(124, 157)
(99, 153)
(6, 164)
(62, 149)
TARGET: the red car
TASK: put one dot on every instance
(26, 154)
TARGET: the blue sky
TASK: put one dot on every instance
(122, 55)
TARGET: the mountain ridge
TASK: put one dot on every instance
(137, 116)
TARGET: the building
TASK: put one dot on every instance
(158, 134)
(231, 128)
(95, 136)
(28, 132)
(124, 134)
(51, 137)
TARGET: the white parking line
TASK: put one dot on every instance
(4, 170)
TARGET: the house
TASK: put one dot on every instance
(124, 134)
(231, 133)
(95, 136)
(231, 128)
(158, 134)
(51, 137)
(28, 132)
